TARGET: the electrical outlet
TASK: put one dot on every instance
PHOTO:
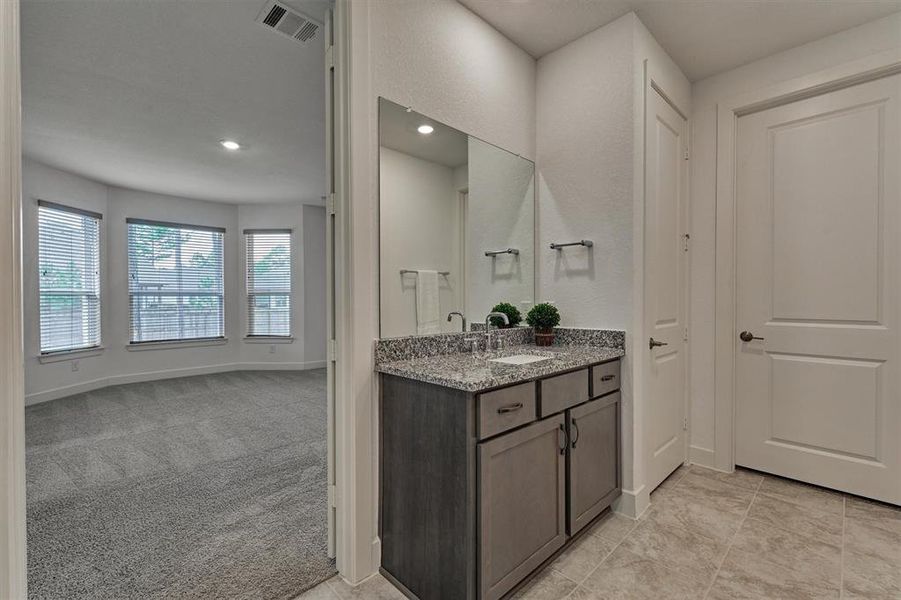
(272, 349)
(74, 366)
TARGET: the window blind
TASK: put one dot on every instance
(175, 281)
(268, 264)
(69, 278)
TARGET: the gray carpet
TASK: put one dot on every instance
(198, 487)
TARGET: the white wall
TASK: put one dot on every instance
(585, 142)
(846, 46)
(590, 142)
(447, 63)
(117, 364)
(500, 214)
(419, 217)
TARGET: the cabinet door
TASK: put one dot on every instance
(594, 471)
(522, 510)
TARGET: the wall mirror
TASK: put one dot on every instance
(456, 226)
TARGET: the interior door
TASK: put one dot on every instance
(664, 285)
(817, 345)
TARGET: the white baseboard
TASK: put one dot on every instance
(632, 503)
(96, 384)
(702, 457)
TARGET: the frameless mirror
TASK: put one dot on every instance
(456, 226)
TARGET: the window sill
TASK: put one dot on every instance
(262, 339)
(63, 355)
(142, 346)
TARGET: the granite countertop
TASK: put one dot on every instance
(474, 373)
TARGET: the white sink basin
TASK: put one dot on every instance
(519, 359)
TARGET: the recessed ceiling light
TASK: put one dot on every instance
(425, 129)
(230, 144)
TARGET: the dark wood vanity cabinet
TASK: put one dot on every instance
(478, 490)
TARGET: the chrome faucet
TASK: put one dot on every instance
(459, 314)
(499, 315)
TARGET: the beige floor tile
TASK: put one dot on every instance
(877, 514)
(862, 588)
(374, 588)
(822, 526)
(677, 548)
(677, 510)
(872, 554)
(547, 585)
(722, 495)
(811, 560)
(749, 576)
(583, 556)
(808, 496)
(740, 477)
(613, 526)
(628, 576)
(321, 592)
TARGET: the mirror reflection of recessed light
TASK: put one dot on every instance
(230, 144)
(425, 129)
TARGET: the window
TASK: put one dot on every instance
(175, 282)
(69, 277)
(268, 267)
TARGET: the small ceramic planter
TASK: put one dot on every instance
(544, 337)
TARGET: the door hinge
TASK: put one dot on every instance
(330, 203)
(684, 423)
(685, 334)
(330, 57)
(332, 350)
(333, 496)
(685, 154)
(685, 239)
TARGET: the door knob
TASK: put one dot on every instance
(652, 343)
(747, 336)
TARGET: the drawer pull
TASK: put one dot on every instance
(576, 432)
(608, 377)
(509, 408)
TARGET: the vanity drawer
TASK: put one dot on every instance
(506, 408)
(605, 378)
(560, 392)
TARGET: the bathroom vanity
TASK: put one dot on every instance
(488, 469)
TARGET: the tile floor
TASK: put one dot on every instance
(718, 536)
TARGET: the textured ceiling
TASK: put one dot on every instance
(704, 37)
(138, 94)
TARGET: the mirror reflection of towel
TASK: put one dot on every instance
(427, 302)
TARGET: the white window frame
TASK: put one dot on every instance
(249, 294)
(181, 341)
(90, 348)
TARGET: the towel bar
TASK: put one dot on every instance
(586, 243)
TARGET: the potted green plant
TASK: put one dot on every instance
(543, 317)
(514, 317)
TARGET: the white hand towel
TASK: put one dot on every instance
(427, 302)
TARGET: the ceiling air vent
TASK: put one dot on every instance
(288, 22)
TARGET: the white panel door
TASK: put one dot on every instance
(818, 398)
(664, 290)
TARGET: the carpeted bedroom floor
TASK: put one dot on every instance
(199, 487)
